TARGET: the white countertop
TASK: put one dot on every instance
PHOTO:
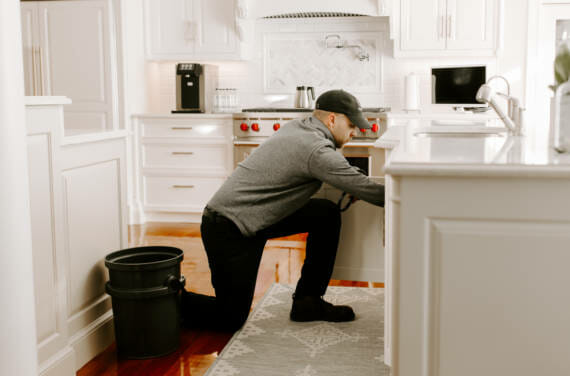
(41, 100)
(186, 115)
(501, 155)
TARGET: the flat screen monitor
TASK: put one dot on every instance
(457, 85)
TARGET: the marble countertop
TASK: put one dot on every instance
(457, 115)
(498, 155)
(185, 115)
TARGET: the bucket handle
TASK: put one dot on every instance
(175, 283)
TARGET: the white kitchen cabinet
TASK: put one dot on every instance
(471, 24)
(69, 49)
(484, 256)
(448, 28)
(93, 175)
(491, 260)
(191, 30)
(179, 162)
(78, 213)
(422, 24)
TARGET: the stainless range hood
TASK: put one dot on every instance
(255, 9)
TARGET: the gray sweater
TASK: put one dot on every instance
(282, 174)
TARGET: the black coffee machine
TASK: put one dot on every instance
(193, 87)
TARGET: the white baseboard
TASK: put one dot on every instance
(173, 217)
(93, 339)
(61, 364)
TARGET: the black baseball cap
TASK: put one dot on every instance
(342, 102)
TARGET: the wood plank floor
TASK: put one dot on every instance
(281, 262)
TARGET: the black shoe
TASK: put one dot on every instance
(314, 308)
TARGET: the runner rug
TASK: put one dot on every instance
(270, 344)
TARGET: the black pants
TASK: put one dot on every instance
(234, 262)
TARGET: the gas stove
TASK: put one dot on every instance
(256, 124)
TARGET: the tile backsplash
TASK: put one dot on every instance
(303, 59)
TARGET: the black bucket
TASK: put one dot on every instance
(144, 284)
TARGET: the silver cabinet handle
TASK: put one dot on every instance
(441, 26)
(177, 186)
(180, 128)
(449, 26)
(182, 152)
(34, 89)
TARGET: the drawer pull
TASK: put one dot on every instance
(182, 186)
(182, 152)
(181, 128)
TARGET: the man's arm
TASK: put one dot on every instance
(331, 167)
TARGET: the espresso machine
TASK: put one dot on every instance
(195, 84)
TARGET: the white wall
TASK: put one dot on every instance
(512, 62)
(157, 93)
(136, 90)
(18, 354)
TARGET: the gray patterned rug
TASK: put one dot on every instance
(270, 344)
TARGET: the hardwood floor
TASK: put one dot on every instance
(281, 262)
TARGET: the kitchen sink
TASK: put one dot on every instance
(458, 134)
(460, 131)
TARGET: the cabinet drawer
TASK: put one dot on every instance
(179, 191)
(213, 157)
(195, 128)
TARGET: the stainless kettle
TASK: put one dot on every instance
(304, 97)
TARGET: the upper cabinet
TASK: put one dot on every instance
(69, 50)
(448, 28)
(191, 30)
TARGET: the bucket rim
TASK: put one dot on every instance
(112, 260)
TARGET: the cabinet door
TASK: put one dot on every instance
(360, 254)
(190, 29)
(77, 60)
(470, 24)
(215, 21)
(170, 29)
(422, 25)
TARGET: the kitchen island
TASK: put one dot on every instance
(477, 254)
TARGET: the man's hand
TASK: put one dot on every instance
(353, 199)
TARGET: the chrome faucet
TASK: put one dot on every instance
(514, 119)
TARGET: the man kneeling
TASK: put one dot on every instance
(268, 196)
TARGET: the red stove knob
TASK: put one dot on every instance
(276, 126)
(363, 130)
(374, 127)
(244, 127)
(255, 127)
